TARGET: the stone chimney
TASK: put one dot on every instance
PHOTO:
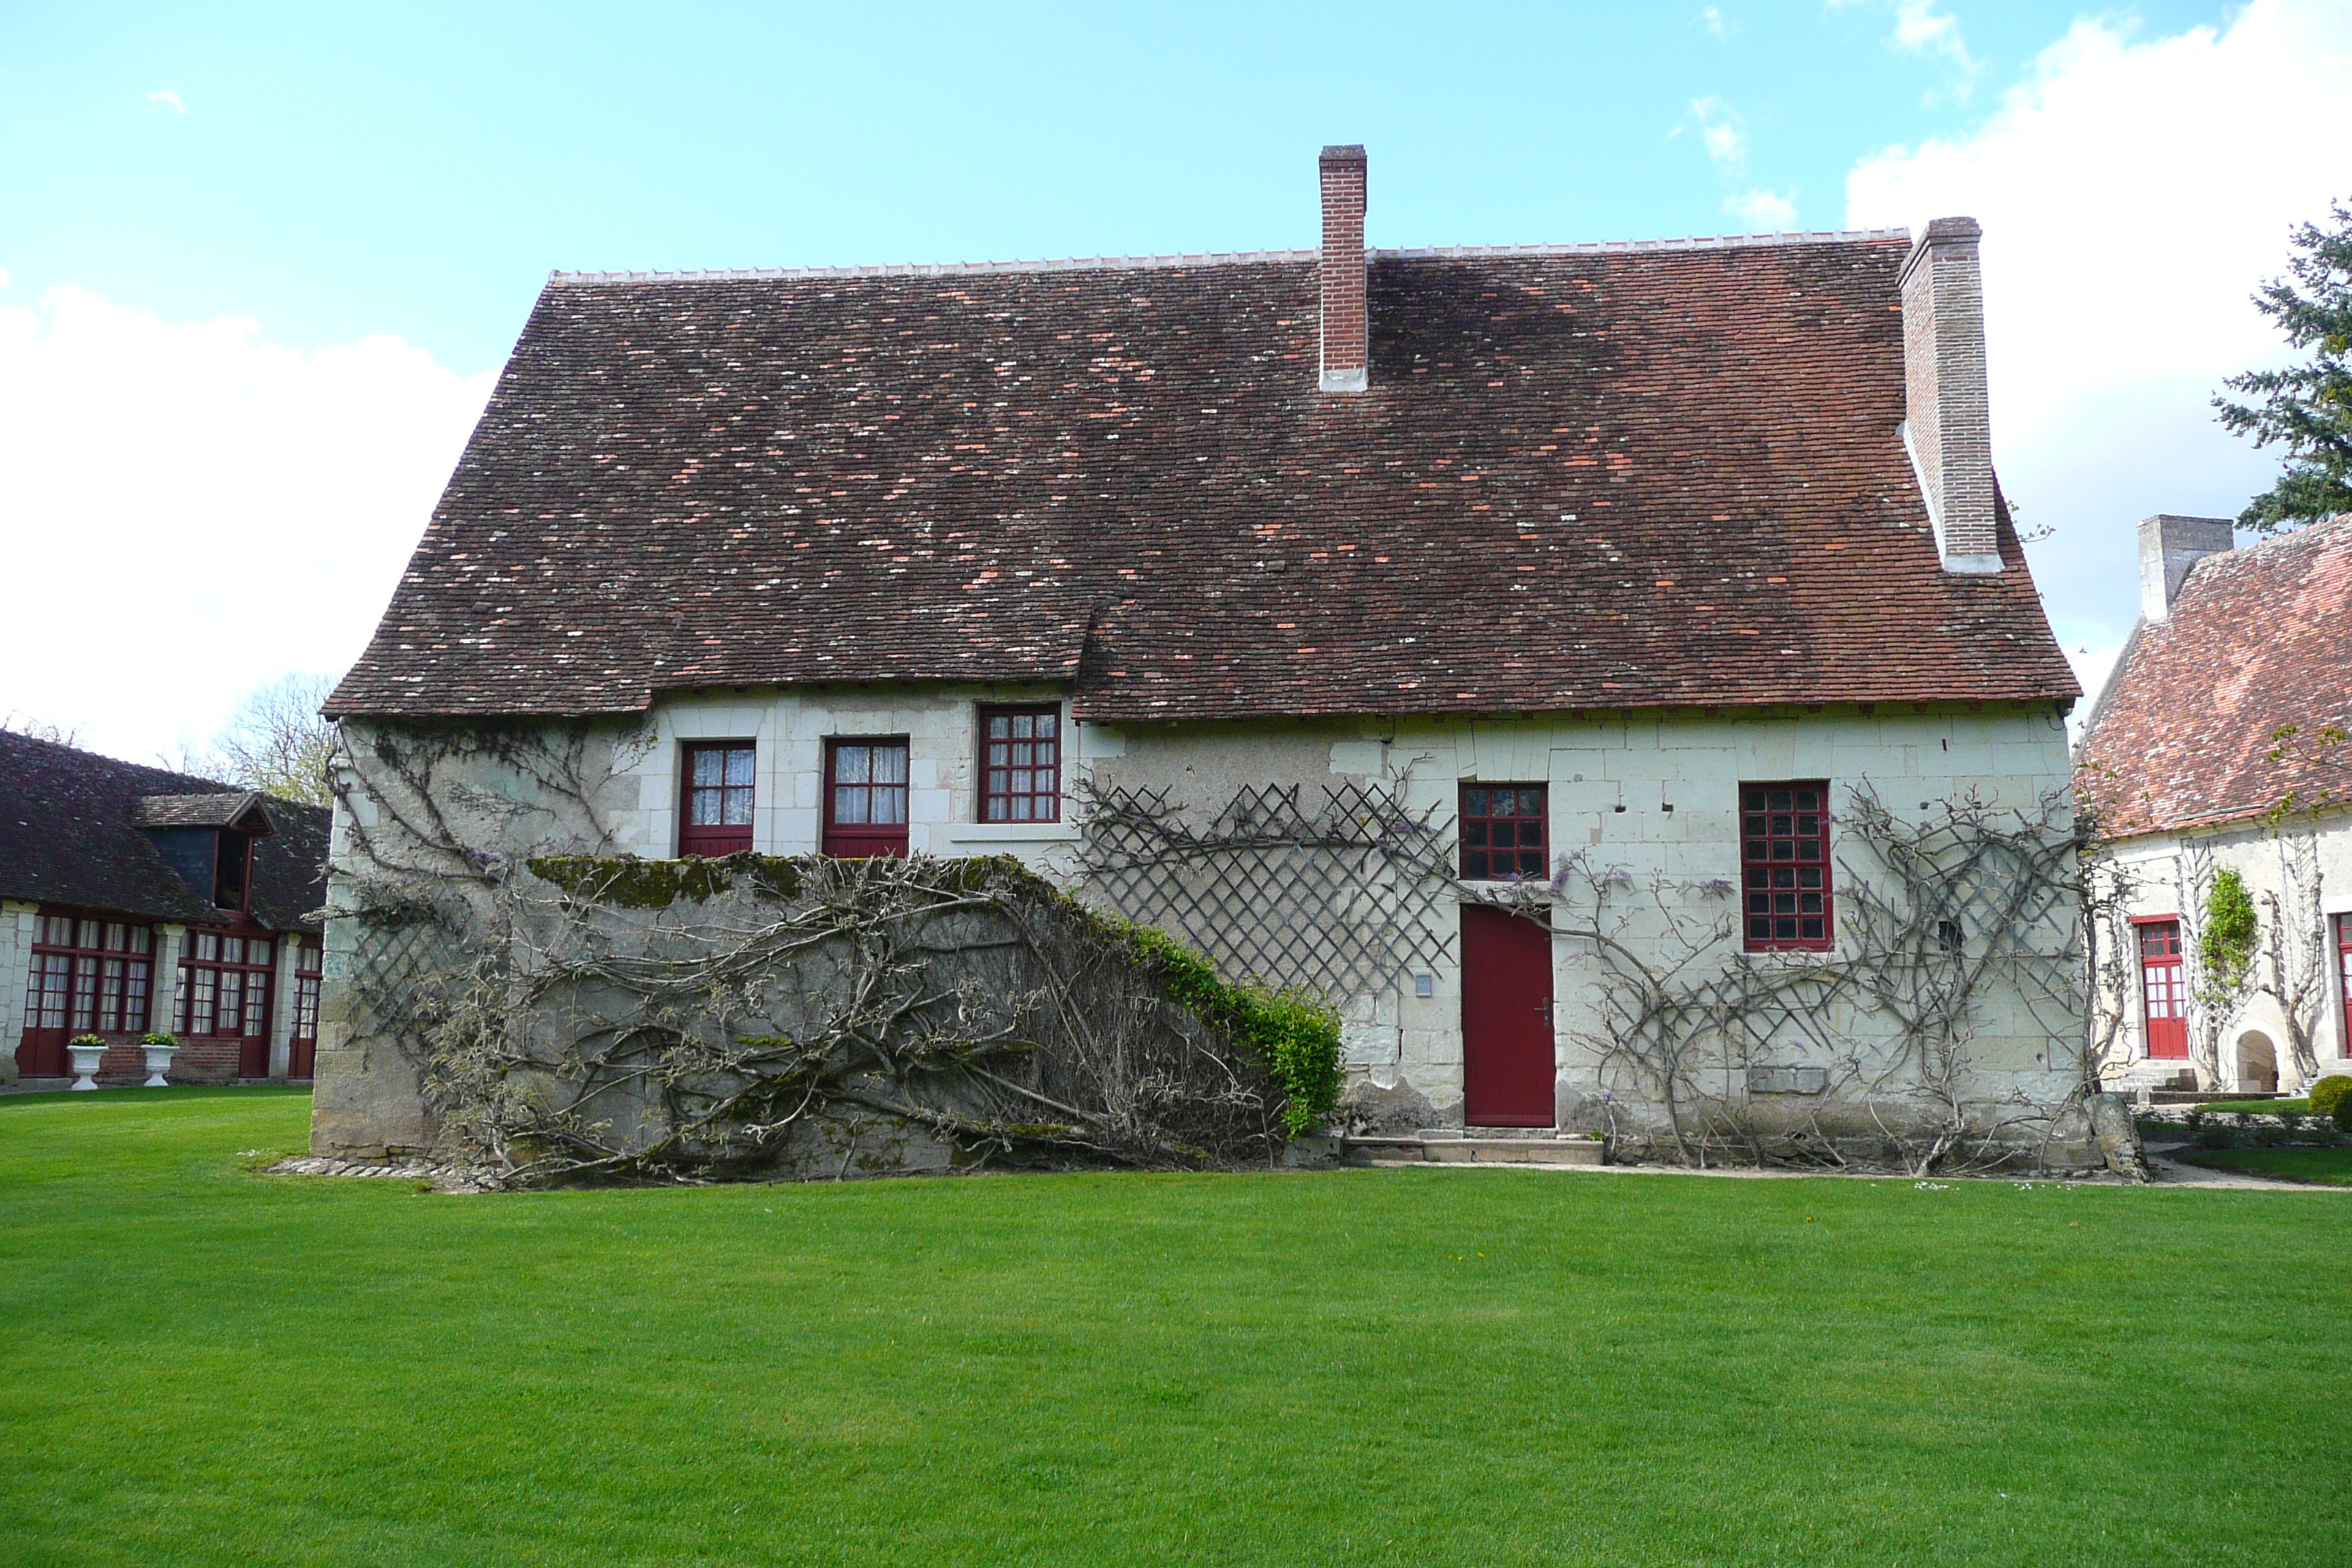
(1947, 426)
(2168, 547)
(1347, 334)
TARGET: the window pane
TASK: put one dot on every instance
(232, 949)
(257, 952)
(891, 764)
(1474, 802)
(230, 1020)
(737, 809)
(889, 805)
(208, 945)
(1531, 803)
(849, 804)
(703, 806)
(853, 764)
(708, 767)
(1049, 724)
(739, 766)
(142, 940)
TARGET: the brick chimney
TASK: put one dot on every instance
(1347, 334)
(2168, 547)
(1947, 426)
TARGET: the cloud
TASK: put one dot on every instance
(1718, 26)
(2133, 192)
(1764, 211)
(1724, 134)
(1921, 30)
(202, 508)
(169, 96)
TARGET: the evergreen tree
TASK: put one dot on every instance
(2307, 407)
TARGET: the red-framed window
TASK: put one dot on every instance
(2163, 999)
(225, 995)
(89, 976)
(1021, 763)
(1784, 865)
(865, 796)
(2344, 973)
(302, 1042)
(715, 804)
(1503, 837)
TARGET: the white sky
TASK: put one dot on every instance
(190, 510)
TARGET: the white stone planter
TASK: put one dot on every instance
(85, 1060)
(158, 1062)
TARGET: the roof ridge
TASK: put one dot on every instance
(1223, 258)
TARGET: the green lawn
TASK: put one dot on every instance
(2257, 1107)
(203, 1364)
(2329, 1167)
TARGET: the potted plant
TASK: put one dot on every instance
(159, 1048)
(86, 1049)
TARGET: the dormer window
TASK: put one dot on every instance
(232, 866)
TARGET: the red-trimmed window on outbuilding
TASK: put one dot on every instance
(2344, 972)
(1784, 863)
(1021, 763)
(2164, 999)
(865, 796)
(1502, 837)
(715, 807)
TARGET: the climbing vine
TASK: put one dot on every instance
(2226, 938)
(580, 1014)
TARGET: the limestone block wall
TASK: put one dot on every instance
(2300, 876)
(1654, 797)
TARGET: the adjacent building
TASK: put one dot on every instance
(2219, 746)
(133, 898)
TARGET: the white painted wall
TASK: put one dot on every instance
(2158, 875)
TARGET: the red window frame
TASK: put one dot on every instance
(88, 976)
(1505, 831)
(2344, 975)
(1021, 763)
(2163, 996)
(723, 800)
(855, 796)
(1787, 889)
(224, 978)
(302, 1041)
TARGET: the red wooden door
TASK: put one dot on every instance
(1507, 1032)
(2160, 988)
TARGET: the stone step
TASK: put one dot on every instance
(1453, 1148)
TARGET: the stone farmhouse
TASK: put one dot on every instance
(132, 899)
(1352, 613)
(2217, 746)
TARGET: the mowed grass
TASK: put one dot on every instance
(207, 1366)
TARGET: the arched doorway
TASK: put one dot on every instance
(2257, 1063)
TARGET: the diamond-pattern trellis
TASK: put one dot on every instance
(1343, 896)
(400, 952)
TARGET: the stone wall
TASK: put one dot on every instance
(1643, 801)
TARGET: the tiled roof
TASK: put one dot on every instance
(69, 836)
(2259, 638)
(1582, 478)
(222, 808)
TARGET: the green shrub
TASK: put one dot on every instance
(2344, 1114)
(2329, 1092)
(1294, 1032)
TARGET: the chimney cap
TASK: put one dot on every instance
(1941, 231)
(1353, 152)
